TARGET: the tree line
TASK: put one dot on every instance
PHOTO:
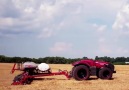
(61, 60)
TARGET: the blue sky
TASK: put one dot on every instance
(66, 28)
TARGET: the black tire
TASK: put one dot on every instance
(97, 73)
(81, 72)
(105, 73)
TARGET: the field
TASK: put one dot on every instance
(120, 80)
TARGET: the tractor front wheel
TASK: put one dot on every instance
(105, 73)
(81, 72)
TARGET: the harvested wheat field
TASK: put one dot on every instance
(120, 80)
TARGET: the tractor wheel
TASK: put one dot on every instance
(81, 72)
(105, 73)
(97, 73)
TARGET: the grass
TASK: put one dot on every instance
(120, 80)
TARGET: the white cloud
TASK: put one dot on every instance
(121, 24)
(46, 33)
(100, 28)
(29, 10)
(40, 14)
(32, 17)
(6, 22)
(61, 47)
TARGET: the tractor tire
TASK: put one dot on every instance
(97, 73)
(81, 72)
(105, 73)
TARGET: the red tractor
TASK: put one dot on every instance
(81, 71)
(84, 68)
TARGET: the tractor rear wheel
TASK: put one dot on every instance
(81, 72)
(105, 73)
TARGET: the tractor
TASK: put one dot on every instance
(81, 70)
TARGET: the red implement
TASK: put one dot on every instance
(30, 73)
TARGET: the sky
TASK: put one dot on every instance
(65, 28)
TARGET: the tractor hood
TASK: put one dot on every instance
(101, 62)
(90, 62)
